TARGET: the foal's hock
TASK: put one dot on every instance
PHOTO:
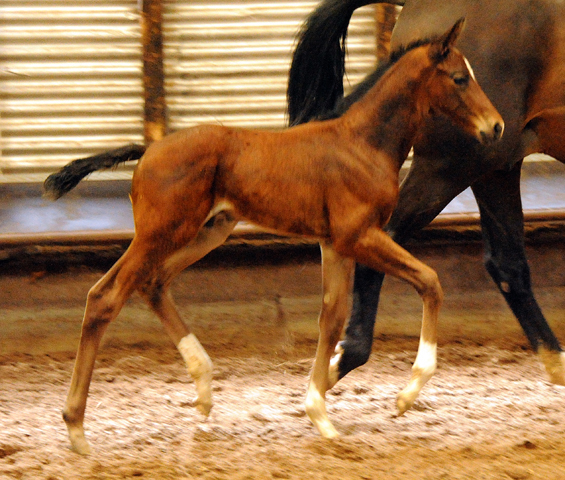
(334, 180)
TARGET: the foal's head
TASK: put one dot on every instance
(453, 90)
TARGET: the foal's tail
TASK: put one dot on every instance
(63, 181)
(315, 82)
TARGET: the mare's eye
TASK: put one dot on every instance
(461, 79)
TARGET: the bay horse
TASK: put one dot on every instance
(517, 49)
(334, 180)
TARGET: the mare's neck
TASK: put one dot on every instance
(389, 114)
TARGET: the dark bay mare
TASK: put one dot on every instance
(333, 180)
(517, 49)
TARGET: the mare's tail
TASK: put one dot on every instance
(315, 82)
(63, 181)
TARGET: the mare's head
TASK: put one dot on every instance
(452, 89)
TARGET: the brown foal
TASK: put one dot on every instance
(334, 180)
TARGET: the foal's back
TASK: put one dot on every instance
(283, 180)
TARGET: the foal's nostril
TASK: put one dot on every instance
(492, 134)
(498, 129)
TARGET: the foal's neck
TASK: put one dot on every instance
(388, 115)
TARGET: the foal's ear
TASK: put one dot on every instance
(440, 50)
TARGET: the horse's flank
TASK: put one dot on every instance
(280, 180)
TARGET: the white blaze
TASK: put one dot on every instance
(470, 68)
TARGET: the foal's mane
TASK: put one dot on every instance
(370, 80)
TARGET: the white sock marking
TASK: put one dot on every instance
(200, 368)
(197, 360)
(426, 359)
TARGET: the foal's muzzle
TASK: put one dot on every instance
(491, 131)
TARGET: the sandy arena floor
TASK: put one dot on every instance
(489, 412)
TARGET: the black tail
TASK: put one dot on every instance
(59, 183)
(315, 82)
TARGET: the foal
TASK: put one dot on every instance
(334, 180)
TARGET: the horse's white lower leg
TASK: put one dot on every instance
(554, 363)
(426, 359)
(422, 370)
(199, 367)
(315, 406)
(336, 273)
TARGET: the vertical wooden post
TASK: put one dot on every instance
(155, 116)
(386, 18)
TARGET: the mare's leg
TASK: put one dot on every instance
(104, 302)
(336, 275)
(498, 196)
(158, 296)
(376, 249)
(428, 188)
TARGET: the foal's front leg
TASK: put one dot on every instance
(336, 278)
(377, 250)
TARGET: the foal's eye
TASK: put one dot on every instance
(461, 79)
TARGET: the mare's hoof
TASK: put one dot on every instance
(554, 363)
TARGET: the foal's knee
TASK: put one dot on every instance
(430, 287)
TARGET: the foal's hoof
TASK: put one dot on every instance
(328, 431)
(76, 435)
(403, 405)
(78, 443)
(203, 406)
(322, 423)
(405, 401)
(82, 448)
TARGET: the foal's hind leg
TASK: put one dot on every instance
(197, 360)
(157, 294)
(336, 275)
(377, 250)
(104, 302)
